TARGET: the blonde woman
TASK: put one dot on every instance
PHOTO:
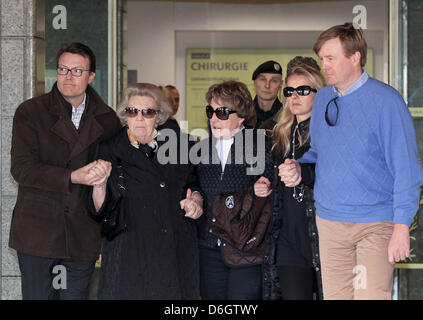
(292, 245)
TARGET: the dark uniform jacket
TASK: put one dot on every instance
(267, 119)
(49, 218)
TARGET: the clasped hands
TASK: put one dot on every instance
(94, 174)
(192, 204)
(289, 172)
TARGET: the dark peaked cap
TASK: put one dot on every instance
(268, 67)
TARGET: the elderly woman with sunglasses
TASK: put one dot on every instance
(156, 255)
(292, 270)
(224, 174)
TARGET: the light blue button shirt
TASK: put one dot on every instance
(357, 84)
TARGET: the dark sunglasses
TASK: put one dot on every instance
(301, 90)
(146, 113)
(222, 113)
(327, 118)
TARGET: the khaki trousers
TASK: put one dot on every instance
(354, 260)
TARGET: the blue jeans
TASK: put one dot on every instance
(219, 281)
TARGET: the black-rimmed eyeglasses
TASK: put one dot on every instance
(76, 72)
(330, 122)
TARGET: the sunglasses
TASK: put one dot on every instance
(222, 113)
(301, 90)
(333, 119)
(146, 113)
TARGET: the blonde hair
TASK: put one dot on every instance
(145, 90)
(282, 130)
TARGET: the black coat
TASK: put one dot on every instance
(298, 230)
(157, 257)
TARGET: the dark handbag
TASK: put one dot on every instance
(111, 216)
(241, 218)
(114, 223)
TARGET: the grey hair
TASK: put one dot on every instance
(144, 90)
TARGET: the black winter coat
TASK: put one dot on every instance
(157, 257)
(302, 231)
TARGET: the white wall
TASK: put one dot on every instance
(160, 32)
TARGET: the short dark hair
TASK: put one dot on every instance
(78, 48)
(237, 97)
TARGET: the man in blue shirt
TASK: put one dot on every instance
(367, 171)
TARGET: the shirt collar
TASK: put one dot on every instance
(356, 85)
(82, 105)
(231, 139)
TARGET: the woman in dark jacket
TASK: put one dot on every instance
(292, 265)
(232, 160)
(157, 256)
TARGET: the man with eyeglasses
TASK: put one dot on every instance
(367, 171)
(267, 82)
(54, 142)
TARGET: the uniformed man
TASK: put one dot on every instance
(267, 83)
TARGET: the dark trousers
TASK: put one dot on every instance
(221, 282)
(54, 279)
(296, 283)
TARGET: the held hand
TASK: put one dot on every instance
(102, 170)
(262, 187)
(290, 172)
(83, 175)
(192, 204)
(399, 245)
(93, 173)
